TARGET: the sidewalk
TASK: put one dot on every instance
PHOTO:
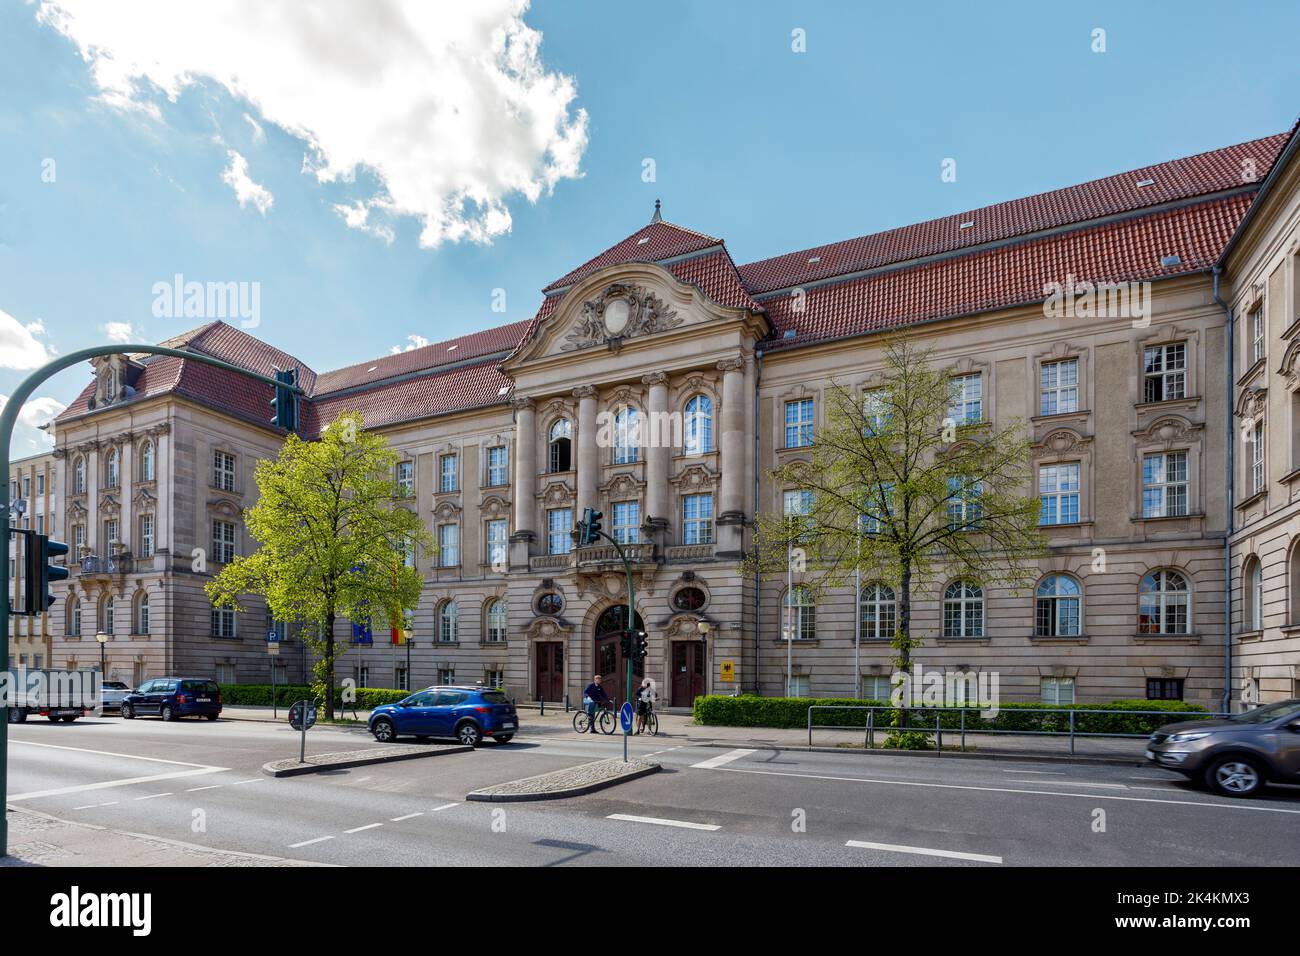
(680, 729)
(38, 839)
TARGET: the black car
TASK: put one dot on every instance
(173, 697)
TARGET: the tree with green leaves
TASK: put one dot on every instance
(899, 491)
(333, 530)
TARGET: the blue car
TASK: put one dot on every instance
(173, 697)
(466, 713)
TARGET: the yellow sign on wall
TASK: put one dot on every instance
(728, 671)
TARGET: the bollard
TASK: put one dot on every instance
(541, 701)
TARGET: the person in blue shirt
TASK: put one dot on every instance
(595, 697)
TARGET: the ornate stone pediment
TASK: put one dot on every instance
(446, 511)
(622, 311)
(623, 487)
(556, 495)
(223, 506)
(144, 497)
(494, 506)
(1061, 441)
(108, 504)
(695, 478)
(545, 626)
(1169, 430)
(1252, 401)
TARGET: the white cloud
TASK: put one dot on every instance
(246, 191)
(19, 347)
(259, 134)
(357, 216)
(413, 342)
(448, 106)
(120, 332)
(28, 438)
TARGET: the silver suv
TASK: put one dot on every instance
(1236, 755)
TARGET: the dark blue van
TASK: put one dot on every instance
(172, 697)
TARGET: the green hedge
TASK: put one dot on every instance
(368, 698)
(792, 712)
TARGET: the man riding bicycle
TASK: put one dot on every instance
(595, 698)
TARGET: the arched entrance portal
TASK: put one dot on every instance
(611, 665)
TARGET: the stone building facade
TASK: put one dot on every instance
(506, 435)
(32, 481)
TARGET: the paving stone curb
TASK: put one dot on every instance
(571, 782)
(344, 759)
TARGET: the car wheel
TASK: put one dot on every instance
(67, 720)
(469, 734)
(210, 716)
(166, 713)
(384, 730)
(504, 738)
(51, 718)
(1234, 776)
(17, 715)
(127, 712)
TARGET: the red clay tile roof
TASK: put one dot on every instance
(1179, 179)
(237, 347)
(659, 240)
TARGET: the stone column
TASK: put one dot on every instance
(658, 437)
(525, 481)
(163, 469)
(731, 507)
(588, 454)
(96, 546)
(125, 481)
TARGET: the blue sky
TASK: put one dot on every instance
(768, 148)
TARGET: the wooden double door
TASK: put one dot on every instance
(689, 667)
(611, 664)
(550, 671)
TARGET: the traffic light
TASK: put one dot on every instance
(640, 645)
(590, 526)
(285, 402)
(625, 644)
(41, 573)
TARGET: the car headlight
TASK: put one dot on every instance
(1182, 738)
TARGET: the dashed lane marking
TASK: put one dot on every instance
(924, 851)
(683, 824)
(714, 762)
(294, 846)
(368, 826)
(418, 813)
(445, 806)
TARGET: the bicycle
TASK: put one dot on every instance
(648, 722)
(605, 720)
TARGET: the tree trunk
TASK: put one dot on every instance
(904, 643)
(329, 664)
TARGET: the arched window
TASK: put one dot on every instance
(1293, 582)
(141, 619)
(876, 616)
(963, 610)
(147, 461)
(1164, 604)
(561, 446)
(627, 435)
(111, 470)
(496, 621)
(106, 615)
(72, 624)
(698, 427)
(1057, 607)
(448, 622)
(1253, 593)
(79, 476)
(799, 614)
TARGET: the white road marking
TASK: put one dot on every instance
(214, 786)
(151, 796)
(445, 806)
(418, 813)
(1078, 783)
(1040, 793)
(250, 780)
(109, 753)
(714, 762)
(294, 846)
(368, 826)
(924, 851)
(91, 806)
(1055, 773)
(198, 769)
(684, 824)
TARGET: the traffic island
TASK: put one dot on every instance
(342, 760)
(573, 782)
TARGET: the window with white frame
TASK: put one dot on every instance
(698, 426)
(407, 548)
(1058, 387)
(225, 674)
(560, 449)
(112, 531)
(73, 620)
(498, 471)
(1164, 604)
(223, 541)
(1058, 493)
(448, 473)
(966, 398)
(141, 623)
(559, 525)
(405, 478)
(403, 680)
(1257, 336)
(498, 542)
(1058, 691)
(79, 476)
(876, 506)
(627, 435)
(1164, 369)
(223, 470)
(627, 522)
(146, 536)
(78, 540)
(799, 685)
(1257, 458)
(447, 676)
(1254, 594)
(106, 615)
(875, 414)
(496, 621)
(40, 524)
(964, 506)
(799, 423)
(147, 461)
(697, 519)
(494, 678)
(876, 612)
(223, 622)
(1164, 484)
(1057, 605)
(963, 610)
(112, 471)
(877, 687)
(40, 485)
(448, 622)
(448, 545)
(798, 614)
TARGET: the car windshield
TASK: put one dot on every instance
(495, 697)
(114, 685)
(1262, 715)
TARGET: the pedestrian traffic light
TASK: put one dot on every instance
(41, 573)
(590, 526)
(640, 645)
(285, 402)
(625, 643)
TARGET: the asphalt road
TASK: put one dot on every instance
(201, 783)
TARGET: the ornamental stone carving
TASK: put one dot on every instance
(622, 311)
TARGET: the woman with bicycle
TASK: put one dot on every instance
(646, 696)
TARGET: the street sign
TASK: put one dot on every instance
(728, 671)
(296, 715)
(273, 649)
(272, 637)
(625, 716)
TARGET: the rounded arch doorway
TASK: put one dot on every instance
(611, 664)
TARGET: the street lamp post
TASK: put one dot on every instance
(703, 627)
(103, 643)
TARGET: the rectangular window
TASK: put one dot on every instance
(146, 536)
(798, 685)
(497, 466)
(1164, 484)
(874, 414)
(1164, 688)
(1058, 490)
(223, 541)
(697, 519)
(559, 524)
(447, 676)
(78, 541)
(27, 487)
(402, 681)
(799, 423)
(225, 674)
(497, 542)
(408, 552)
(40, 485)
(964, 507)
(1257, 343)
(627, 522)
(1257, 459)
(496, 679)
(1165, 371)
(223, 625)
(877, 687)
(406, 478)
(875, 508)
(1057, 690)
(112, 532)
(447, 472)
(40, 524)
(223, 470)
(448, 545)
(1058, 387)
(966, 399)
